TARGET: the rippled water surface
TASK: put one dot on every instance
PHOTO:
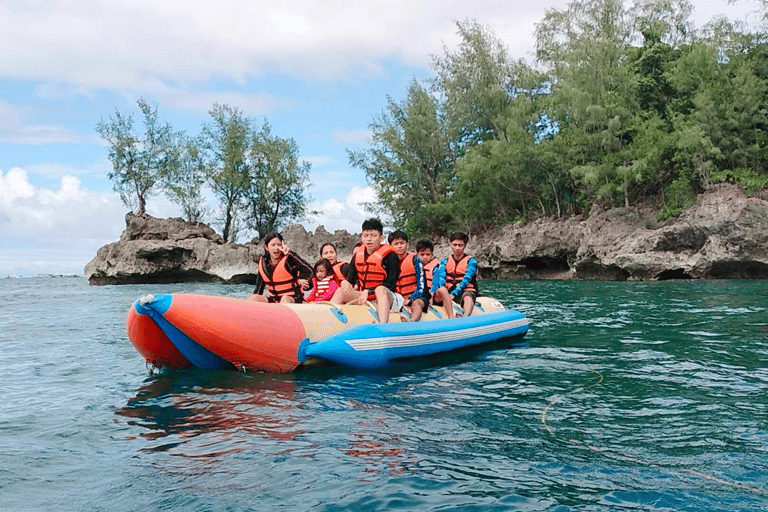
(627, 396)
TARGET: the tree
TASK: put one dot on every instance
(477, 81)
(226, 142)
(183, 182)
(276, 195)
(410, 161)
(138, 162)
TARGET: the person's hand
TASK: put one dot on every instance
(346, 286)
(304, 284)
(361, 298)
(285, 248)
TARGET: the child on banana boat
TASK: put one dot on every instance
(412, 283)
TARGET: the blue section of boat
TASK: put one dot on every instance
(376, 346)
(189, 348)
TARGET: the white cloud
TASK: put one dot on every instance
(128, 43)
(342, 137)
(70, 212)
(18, 127)
(348, 214)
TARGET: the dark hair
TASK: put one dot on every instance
(271, 236)
(397, 234)
(458, 235)
(373, 225)
(323, 262)
(425, 244)
(323, 247)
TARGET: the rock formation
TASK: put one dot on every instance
(725, 235)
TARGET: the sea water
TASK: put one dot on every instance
(626, 396)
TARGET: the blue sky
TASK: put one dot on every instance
(317, 71)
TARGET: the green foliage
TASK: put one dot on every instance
(225, 142)
(749, 179)
(138, 162)
(679, 197)
(183, 182)
(276, 195)
(410, 161)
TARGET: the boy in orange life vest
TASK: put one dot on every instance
(375, 269)
(323, 284)
(281, 272)
(412, 283)
(426, 251)
(456, 278)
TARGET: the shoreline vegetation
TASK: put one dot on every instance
(629, 109)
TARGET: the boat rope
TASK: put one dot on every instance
(610, 453)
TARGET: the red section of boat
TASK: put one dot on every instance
(151, 341)
(251, 335)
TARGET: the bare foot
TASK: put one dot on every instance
(404, 318)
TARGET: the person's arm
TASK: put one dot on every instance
(468, 276)
(298, 267)
(311, 295)
(260, 284)
(438, 275)
(421, 281)
(351, 275)
(391, 264)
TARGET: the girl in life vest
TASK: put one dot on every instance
(282, 273)
(340, 267)
(323, 284)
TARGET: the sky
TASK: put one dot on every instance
(318, 72)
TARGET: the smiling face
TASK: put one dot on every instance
(400, 246)
(371, 240)
(329, 253)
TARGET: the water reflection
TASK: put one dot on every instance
(174, 407)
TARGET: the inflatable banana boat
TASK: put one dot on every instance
(218, 333)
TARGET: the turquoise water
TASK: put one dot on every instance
(628, 396)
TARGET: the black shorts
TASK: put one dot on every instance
(459, 299)
(276, 298)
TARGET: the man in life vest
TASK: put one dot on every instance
(426, 251)
(373, 273)
(455, 280)
(412, 283)
(282, 273)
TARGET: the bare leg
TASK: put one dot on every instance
(384, 299)
(287, 299)
(417, 308)
(258, 298)
(468, 305)
(444, 296)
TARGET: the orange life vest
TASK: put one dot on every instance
(282, 282)
(429, 268)
(454, 273)
(338, 275)
(406, 283)
(370, 270)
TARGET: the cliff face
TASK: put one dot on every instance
(725, 235)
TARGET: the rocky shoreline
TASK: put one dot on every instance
(723, 236)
